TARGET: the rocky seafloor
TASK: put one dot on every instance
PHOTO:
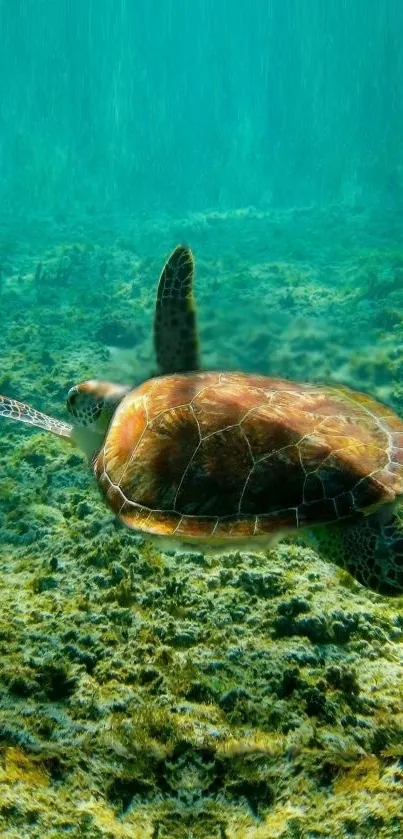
(148, 694)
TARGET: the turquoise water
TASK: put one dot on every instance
(147, 694)
(172, 106)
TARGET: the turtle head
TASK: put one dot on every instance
(92, 405)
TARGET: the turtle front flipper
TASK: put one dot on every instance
(12, 409)
(175, 328)
(370, 549)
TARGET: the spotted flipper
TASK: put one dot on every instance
(11, 409)
(370, 549)
(175, 329)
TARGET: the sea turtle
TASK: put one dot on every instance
(221, 459)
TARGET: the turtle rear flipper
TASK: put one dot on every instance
(12, 409)
(370, 549)
(175, 328)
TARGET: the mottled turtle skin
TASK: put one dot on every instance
(213, 457)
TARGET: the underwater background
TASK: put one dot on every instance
(148, 694)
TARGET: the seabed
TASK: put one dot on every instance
(146, 695)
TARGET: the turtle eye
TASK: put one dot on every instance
(72, 397)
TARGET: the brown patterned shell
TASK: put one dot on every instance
(215, 456)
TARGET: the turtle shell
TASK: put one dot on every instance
(219, 456)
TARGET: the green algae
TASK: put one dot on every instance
(144, 694)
